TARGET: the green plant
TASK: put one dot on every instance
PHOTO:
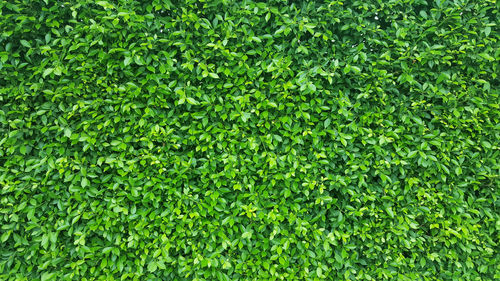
(241, 140)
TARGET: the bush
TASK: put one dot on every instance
(240, 140)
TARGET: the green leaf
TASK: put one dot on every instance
(152, 266)
(287, 193)
(443, 76)
(45, 241)
(47, 276)
(58, 70)
(105, 4)
(487, 56)
(319, 272)
(343, 141)
(327, 122)
(246, 234)
(127, 61)
(486, 144)
(47, 72)
(487, 31)
(85, 182)
(5, 236)
(67, 132)
(25, 43)
(138, 60)
(245, 116)
(390, 212)
(192, 101)
(257, 39)
(412, 154)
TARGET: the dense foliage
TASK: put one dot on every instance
(241, 140)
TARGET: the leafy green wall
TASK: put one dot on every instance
(240, 140)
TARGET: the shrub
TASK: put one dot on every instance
(241, 140)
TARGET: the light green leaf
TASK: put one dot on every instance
(85, 182)
(257, 39)
(47, 72)
(127, 61)
(390, 212)
(246, 234)
(487, 31)
(67, 132)
(45, 241)
(192, 101)
(25, 43)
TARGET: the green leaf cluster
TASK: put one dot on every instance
(249, 140)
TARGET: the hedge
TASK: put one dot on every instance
(243, 140)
